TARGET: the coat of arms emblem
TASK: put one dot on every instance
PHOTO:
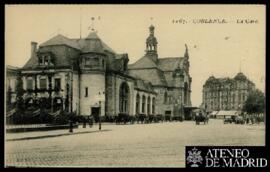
(194, 157)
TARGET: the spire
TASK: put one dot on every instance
(92, 24)
(186, 52)
(80, 22)
(240, 65)
(151, 42)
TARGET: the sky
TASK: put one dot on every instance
(219, 49)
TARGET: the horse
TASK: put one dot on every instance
(201, 118)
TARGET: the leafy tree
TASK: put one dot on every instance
(19, 95)
(20, 107)
(255, 103)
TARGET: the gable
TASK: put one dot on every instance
(170, 63)
(142, 63)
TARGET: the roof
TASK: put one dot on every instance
(240, 76)
(226, 80)
(143, 85)
(81, 44)
(60, 40)
(143, 63)
(92, 43)
(169, 63)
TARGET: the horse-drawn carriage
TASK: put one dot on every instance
(201, 117)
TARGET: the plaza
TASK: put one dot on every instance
(137, 145)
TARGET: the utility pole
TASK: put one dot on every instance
(99, 120)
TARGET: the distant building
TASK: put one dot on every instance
(226, 93)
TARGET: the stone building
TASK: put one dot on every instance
(86, 76)
(169, 76)
(83, 76)
(226, 93)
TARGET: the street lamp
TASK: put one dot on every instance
(100, 97)
(99, 120)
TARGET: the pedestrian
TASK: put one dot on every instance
(247, 120)
(70, 126)
(90, 120)
(84, 122)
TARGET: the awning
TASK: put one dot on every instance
(190, 107)
(228, 113)
(213, 113)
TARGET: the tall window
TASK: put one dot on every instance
(186, 93)
(165, 97)
(148, 105)
(43, 83)
(124, 96)
(138, 104)
(143, 104)
(57, 84)
(86, 91)
(153, 105)
(29, 84)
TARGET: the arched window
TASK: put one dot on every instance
(137, 104)
(153, 105)
(124, 97)
(143, 104)
(165, 97)
(186, 93)
(148, 105)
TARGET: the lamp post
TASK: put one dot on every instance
(100, 97)
(99, 120)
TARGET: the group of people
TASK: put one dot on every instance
(253, 120)
(85, 120)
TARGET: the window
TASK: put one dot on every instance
(148, 105)
(143, 104)
(57, 84)
(153, 105)
(29, 84)
(165, 97)
(46, 60)
(168, 112)
(43, 83)
(124, 96)
(86, 91)
(138, 104)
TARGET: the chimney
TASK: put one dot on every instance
(33, 48)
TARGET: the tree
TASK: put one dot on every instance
(20, 108)
(255, 103)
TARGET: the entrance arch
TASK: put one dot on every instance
(124, 98)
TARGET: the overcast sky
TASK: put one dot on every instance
(215, 49)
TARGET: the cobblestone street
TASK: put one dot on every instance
(138, 145)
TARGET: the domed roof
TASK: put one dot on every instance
(211, 79)
(92, 43)
(240, 76)
(151, 39)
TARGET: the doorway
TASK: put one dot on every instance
(95, 113)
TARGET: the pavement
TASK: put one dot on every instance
(138, 145)
(47, 134)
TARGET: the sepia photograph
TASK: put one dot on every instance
(131, 85)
